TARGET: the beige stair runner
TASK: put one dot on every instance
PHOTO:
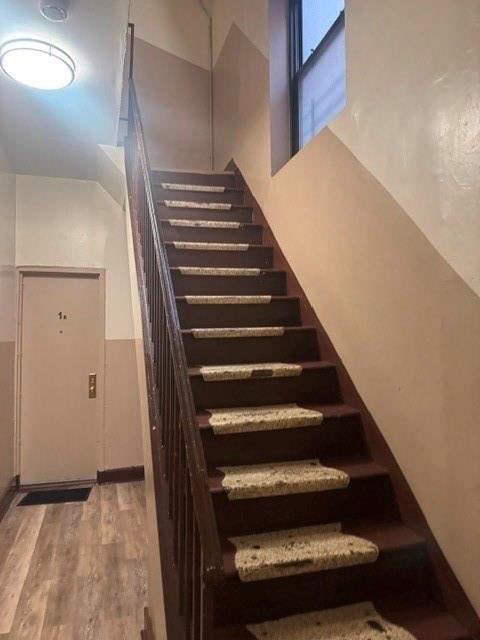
(291, 552)
(187, 204)
(202, 188)
(245, 371)
(359, 621)
(281, 478)
(238, 332)
(211, 246)
(219, 271)
(204, 224)
(228, 299)
(265, 418)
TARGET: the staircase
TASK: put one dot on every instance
(275, 520)
(311, 538)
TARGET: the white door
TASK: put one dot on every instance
(61, 337)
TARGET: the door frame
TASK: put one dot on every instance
(21, 273)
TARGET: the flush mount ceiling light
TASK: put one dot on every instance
(54, 10)
(37, 64)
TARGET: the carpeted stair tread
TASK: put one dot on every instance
(280, 478)
(359, 621)
(202, 188)
(240, 299)
(352, 469)
(422, 619)
(330, 411)
(213, 373)
(256, 370)
(264, 418)
(192, 204)
(276, 554)
(234, 272)
(235, 332)
(207, 224)
(210, 246)
(386, 537)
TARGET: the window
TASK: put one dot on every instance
(317, 60)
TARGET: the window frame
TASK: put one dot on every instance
(299, 68)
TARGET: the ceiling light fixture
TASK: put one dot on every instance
(54, 10)
(37, 64)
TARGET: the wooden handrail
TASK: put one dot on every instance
(177, 449)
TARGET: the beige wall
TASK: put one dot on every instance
(76, 223)
(7, 321)
(413, 120)
(173, 81)
(406, 325)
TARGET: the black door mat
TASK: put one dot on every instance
(55, 496)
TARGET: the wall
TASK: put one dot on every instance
(398, 304)
(173, 81)
(76, 223)
(7, 321)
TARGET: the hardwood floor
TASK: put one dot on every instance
(75, 571)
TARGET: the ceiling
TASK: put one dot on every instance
(56, 133)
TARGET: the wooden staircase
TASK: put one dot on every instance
(234, 308)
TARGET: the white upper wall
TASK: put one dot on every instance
(413, 116)
(177, 26)
(56, 133)
(76, 223)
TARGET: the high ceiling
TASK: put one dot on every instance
(57, 133)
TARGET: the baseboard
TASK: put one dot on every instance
(7, 498)
(51, 486)
(124, 474)
(147, 633)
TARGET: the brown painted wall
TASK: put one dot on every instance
(405, 324)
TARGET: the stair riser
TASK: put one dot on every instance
(295, 346)
(335, 438)
(264, 284)
(255, 256)
(235, 214)
(247, 235)
(311, 386)
(180, 177)
(233, 197)
(278, 313)
(396, 572)
(364, 497)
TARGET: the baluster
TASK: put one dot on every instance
(196, 584)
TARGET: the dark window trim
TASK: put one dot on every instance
(299, 68)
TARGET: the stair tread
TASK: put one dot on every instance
(177, 203)
(355, 469)
(294, 368)
(226, 271)
(211, 331)
(289, 552)
(221, 297)
(255, 247)
(262, 418)
(209, 224)
(178, 187)
(386, 537)
(423, 619)
(328, 412)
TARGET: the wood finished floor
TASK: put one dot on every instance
(75, 571)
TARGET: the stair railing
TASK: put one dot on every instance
(193, 552)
